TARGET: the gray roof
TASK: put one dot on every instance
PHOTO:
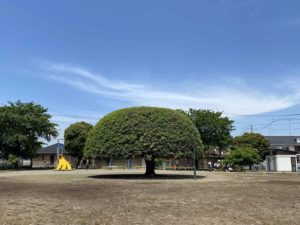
(283, 140)
(52, 149)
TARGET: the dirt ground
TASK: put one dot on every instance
(122, 197)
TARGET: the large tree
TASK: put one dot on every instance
(213, 127)
(253, 140)
(75, 136)
(22, 127)
(242, 156)
(146, 132)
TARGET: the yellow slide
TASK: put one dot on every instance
(63, 164)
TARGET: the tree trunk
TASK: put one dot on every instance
(197, 164)
(150, 166)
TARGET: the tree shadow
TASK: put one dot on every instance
(143, 177)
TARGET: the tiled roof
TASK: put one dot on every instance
(52, 149)
(284, 140)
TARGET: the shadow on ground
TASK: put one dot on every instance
(143, 177)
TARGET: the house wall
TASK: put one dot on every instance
(43, 160)
(270, 163)
(284, 147)
(292, 148)
(283, 163)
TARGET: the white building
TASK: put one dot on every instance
(283, 154)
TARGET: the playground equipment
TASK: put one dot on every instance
(63, 164)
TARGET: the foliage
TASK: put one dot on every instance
(213, 127)
(254, 140)
(158, 162)
(241, 156)
(12, 161)
(22, 126)
(75, 137)
(146, 132)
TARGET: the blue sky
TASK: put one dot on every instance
(84, 59)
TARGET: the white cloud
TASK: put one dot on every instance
(65, 119)
(232, 95)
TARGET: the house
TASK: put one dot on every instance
(291, 143)
(47, 156)
(283, 154)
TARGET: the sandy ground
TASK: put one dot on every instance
(122, 197)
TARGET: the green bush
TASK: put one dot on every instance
(12, 161)
(242, 156)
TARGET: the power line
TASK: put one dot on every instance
(76, 117)
(277, 120)
(267, 115)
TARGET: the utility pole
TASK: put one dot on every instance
(57, 149)
(251, 128)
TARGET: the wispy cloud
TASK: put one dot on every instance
(69, 119)
(232, 96)
(65, 120)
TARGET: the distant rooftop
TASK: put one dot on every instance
(52, 149)
(284, 140)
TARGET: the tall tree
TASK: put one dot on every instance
(22, 127)
(214, 128)
(75, 137)
(148, 132)
(254, 140)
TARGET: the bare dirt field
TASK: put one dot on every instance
(109, 197)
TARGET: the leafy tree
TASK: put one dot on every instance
(147, 132)
(242, 156)
(75, 137)
(22, 126)
(213, 127)
(254, 140)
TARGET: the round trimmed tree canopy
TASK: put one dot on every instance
(143, 132)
